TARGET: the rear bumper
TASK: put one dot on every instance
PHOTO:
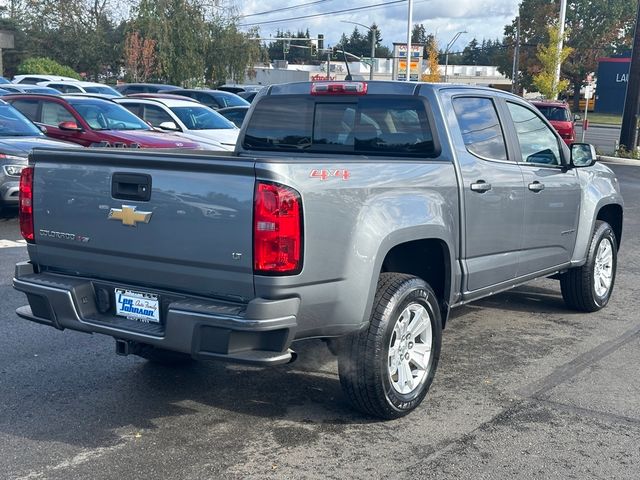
(258, 332)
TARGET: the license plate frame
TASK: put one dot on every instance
(139, 306)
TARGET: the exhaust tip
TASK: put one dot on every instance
(294, 356)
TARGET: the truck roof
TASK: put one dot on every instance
(377, 87)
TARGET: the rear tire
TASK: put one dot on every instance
(387, 369)
(162, 356)
(588, 288)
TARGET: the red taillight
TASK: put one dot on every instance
(277, 230)
(26, 204)
(339, 88)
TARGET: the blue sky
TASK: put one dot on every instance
(480, 18)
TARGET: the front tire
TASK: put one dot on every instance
(588, 288)
(387, 369)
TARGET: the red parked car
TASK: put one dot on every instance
(560, 117)
(93, 122)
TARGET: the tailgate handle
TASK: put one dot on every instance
(131, 186)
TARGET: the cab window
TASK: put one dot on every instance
(369, 125)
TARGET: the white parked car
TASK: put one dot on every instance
(82, 87)
(36, 78)
(185, 118)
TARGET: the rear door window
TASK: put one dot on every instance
(480, 127)
(368, 125)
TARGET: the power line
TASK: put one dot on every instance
(346, 10)
(286, 8)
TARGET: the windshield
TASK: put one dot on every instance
(558, 114)
(103, 90)
(201, 118)
(104, 115)
(14, 124)
(230, 100)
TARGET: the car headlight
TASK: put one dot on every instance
(13, 170)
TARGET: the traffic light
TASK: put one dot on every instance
(314, 49)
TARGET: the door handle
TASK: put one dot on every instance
(131, 186)
(536, 186)
(480, 186)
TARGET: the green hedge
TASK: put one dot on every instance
(45, 66)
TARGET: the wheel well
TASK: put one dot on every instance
(426, 259)
(612, 214)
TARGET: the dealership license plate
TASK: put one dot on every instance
(143, 307)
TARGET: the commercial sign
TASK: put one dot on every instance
(400, 61)
(613, 77)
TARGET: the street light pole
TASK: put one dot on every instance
(446, 53)
(563, 16)
(373, 30)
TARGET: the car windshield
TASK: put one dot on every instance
(230, 100)
(559, 114)
(201, 118)
(14, 124)
(103, 90)
(104, 115)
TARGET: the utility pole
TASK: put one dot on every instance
(409, 22)
(629, 130)
(515, 76)
(563, 16)
(373, 51)
(328, 65)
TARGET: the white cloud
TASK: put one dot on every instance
(480, 18)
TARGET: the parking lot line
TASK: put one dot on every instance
(12, 243)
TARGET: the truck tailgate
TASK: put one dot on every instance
(175, 221)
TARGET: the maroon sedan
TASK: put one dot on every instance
(93, 122)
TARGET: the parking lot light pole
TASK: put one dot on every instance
(373, 31)
(563, 16)
(446, 53)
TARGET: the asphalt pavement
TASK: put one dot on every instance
(525, 389)
(604, 137)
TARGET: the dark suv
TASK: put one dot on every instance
(560, 117)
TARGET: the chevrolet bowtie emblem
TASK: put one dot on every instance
(129, 216)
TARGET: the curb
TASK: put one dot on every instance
(599, 125)
(618, 160)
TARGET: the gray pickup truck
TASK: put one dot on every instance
(356, 212)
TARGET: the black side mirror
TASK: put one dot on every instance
(583, 155)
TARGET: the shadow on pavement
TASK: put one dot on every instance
(64, 402)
